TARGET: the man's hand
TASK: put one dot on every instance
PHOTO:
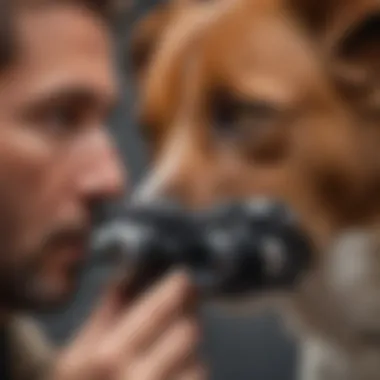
(153, 338)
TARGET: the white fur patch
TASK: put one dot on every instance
(352, 273)
(162, 174)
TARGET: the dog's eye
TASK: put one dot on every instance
(255, 128)
(256, 117)
(235, 119)
(231, 117)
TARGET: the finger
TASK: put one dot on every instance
(158, 308)
(106, 310)
(171, 353)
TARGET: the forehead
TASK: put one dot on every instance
(252, 48)
(257, 50)
(60, 45)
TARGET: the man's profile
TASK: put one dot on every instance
(57, 163)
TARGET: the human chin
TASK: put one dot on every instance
(50, 289)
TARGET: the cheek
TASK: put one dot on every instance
(238, 177)
(371, 154)
(250, 175)
(285, 183)
(327, 153)
(25, 162)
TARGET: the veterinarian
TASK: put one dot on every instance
(57, 163)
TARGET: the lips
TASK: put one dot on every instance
(70, 248)
(74, 251)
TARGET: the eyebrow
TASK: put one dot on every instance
(77, 94)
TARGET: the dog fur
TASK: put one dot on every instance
(279, 98)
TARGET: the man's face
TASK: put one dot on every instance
(56, 158)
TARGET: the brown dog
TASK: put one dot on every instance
(279, 98)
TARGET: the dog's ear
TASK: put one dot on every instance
(145, 36)
(164, 51)
(148, 32)
(314, 14)
(354, 51)
(348, 34)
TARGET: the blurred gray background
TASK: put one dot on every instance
(244, 348)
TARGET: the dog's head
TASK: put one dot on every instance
(269, 97)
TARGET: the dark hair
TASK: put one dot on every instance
(105, 9)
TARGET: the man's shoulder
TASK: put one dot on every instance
(31, 351)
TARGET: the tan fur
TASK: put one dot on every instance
(309, 136)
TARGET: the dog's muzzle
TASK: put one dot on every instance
(229, 250)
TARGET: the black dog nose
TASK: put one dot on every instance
(234, 248)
